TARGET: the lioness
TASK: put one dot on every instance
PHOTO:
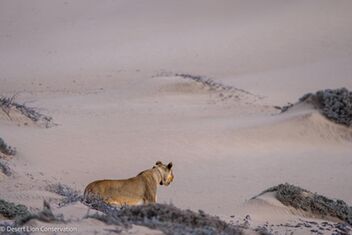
(137, 190)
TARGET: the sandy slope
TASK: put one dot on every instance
(103, 70)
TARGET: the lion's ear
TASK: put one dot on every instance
(158, 163)
(169, 165)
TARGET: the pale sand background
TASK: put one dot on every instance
(98, 68)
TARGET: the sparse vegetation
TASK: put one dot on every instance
(45, 215)
(13, 211)
(319, 205)
(225, 91)
(20, 213)
(336, 105)
(8, 103)
(167, 218)
(211, 84)
(70, 195)
(4, 168)
(6, 149)
(207, 82)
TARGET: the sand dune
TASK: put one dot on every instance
(304, 125)
(294, 208)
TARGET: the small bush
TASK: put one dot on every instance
(5, 169)
(45, 215)
(299, 198)
(336, 105)
(6, 149)
(70, 195)
(7, 104)
(12, 211)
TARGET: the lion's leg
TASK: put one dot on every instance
(149, 200)
(125, 201)
(114, 203)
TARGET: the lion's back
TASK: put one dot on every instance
(119, 192)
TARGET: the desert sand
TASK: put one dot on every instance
(108, 72)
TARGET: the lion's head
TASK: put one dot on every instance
(166, 173)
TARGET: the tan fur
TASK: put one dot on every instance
(137, 190)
